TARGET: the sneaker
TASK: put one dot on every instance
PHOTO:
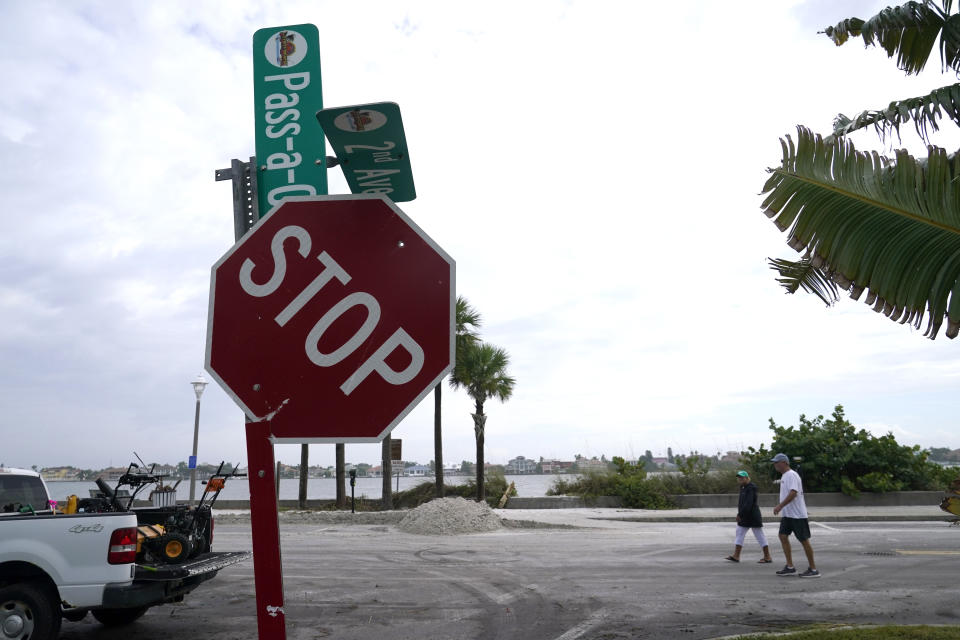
(810, 573)
(787, 571)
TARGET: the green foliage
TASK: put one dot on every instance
(495, 483)
(628, 481)
(419, 494)
(838, 457)
(699, 481)
(867, 222)
(695, 466)
(482, 370)
(590, 484)
(887, 632)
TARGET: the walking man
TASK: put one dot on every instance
(794, 519)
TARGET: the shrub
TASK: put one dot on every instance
(838, 457)
(719, 481)
(495, 484)
(628, 481)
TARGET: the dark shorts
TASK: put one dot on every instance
(799, 527)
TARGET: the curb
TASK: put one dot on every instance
(851, 518)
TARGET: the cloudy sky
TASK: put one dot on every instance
(593, 167)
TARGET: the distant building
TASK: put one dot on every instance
(556, 466)
(60, 473)
(418, 471)
(593, 464)
(112, 474)
(664, 463)
(520, 465)
(165, 470)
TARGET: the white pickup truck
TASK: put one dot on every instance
(55, 566)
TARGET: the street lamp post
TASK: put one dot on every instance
(198, 385)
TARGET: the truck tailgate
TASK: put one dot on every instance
(203, 564)
(168, 583)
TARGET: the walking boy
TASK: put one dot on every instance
(794, 519)
(749, 519)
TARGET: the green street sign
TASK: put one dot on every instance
(290, 151)
(371, 147)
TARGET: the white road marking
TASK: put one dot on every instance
(820, 524)
(854, 568)
(594, 620)
(657, 552)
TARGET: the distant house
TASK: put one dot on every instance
(60, 473)
(665, 464)
(520, 465)
(731, 456)
(556, 466)
(165, 470)
(593, 464)
(112, 474)
(417, 470)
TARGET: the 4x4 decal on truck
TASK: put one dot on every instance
(92, 528)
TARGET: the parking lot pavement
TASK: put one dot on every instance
(617, 580)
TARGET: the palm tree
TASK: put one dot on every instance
(467, 323)
(482, 371)
(889, 226)
(304, 476)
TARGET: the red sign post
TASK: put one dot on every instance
(328, 322)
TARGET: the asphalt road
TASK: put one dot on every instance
(625, 580)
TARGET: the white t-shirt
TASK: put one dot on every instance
(797, 508)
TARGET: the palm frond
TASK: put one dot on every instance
(888, 226)
(925, 111)
(483, 373)
(468, 319)
(803, 275)
(467, 324)
(908, 32)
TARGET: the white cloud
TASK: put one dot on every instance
(594, 173)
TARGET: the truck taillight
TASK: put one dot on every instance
(211, 530)
(123, 546)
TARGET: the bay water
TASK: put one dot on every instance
(528, 486)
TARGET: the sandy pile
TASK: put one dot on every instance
(450, 517)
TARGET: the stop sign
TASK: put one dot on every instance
(331, 319)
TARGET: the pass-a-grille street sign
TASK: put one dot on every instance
(331, 319)
(290, 149)
(371, 146)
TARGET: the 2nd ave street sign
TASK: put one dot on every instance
(372, 148)
(331, 319)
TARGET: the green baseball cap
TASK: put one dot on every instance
(743, 474)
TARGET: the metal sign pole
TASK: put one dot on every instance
(264, 520)
(265, 529)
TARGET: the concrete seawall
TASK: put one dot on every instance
(729, 500)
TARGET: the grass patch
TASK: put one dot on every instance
(886, 632)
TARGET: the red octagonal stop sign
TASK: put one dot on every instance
(331, 319)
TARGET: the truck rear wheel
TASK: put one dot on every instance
(118, 617)
(27, 610)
